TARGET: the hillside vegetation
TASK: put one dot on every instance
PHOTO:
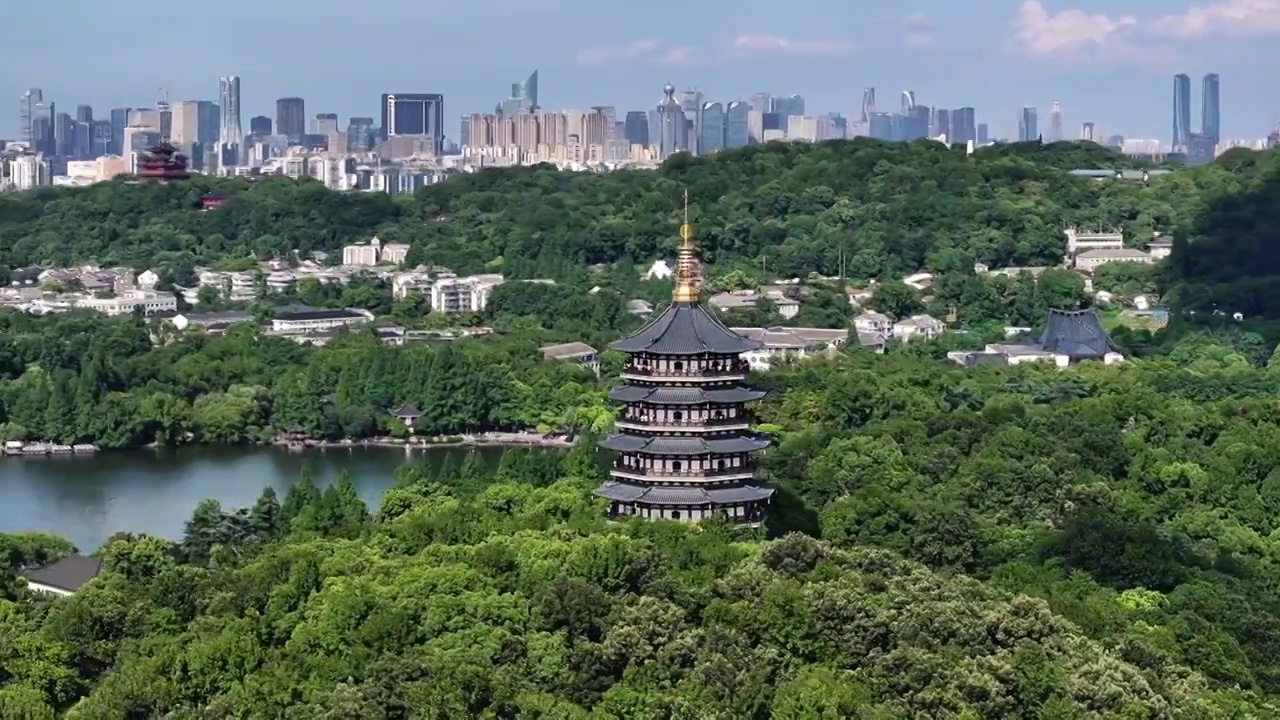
(890, 208)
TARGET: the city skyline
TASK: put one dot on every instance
(1112, 69)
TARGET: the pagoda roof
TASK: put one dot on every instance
(685, 328)
(667, 395)
(684, 445)
(684, 494)
(1076, 334)
(406, 410)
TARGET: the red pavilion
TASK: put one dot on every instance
(163, 163)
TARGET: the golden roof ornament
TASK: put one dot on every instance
(686, 262)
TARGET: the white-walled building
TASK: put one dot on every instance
(374, 253)
(464, 294)
(147, 301)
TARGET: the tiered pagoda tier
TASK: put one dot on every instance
(163, 163)
(684, 442)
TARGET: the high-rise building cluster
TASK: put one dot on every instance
(1197, 145)
(80, 148)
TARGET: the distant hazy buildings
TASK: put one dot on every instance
(414, 114)
(1210, 110)
(230, 132)
(1028, 129)
(291, 116)
(524, 97)
(1181, 109)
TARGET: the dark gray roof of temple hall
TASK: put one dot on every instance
(685, 395)
(664, 445)
(685, 328)
(683, 495)
(1076, 334)
(70, 573)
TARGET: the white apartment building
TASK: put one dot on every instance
(463, 295)
(873, 322)
(125, 303)
(374, 253)
(28, 172)
(918, 326)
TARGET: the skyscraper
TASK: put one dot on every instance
(84, 113)
(291, 117)
(712, 139)
(230, 133)
(737, 125)
(691, 104)
(868, 105)
(964, 127)
(1027, 125)
(524, 97)
(260, 126)
(119, 120)
(1055, 123)
(670, 126)
(1087, 132)
(26, 112)
(908, 101)
(636, 128)
(941, 124)
(1181, 109)
(210, 122)
(1210, 117)
(184, 123)
(414, 114)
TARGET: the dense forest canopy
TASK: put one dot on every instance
(994, 542)
(887, 209)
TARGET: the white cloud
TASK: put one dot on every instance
(1227, 17)
(917, 20)
(918, 39)
(606, 54)
(678, 56)
(776, 44)
(1042, 34)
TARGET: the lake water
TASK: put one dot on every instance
(154, 491)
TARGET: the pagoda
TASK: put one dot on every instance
(162, 163)
(684, 442)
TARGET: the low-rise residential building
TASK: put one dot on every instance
(576, 352)
(148, 279)
(1160, 248)
(918, 326)
(786, 343)
(301, 322)
(873, 322)
(463, 295)
(787, 307)
(374, 253)
(1094, 259)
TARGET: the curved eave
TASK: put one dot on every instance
(665, 395)
(685, 328)
(684, 496)
(684, 445)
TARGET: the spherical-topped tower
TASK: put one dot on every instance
(684, 442)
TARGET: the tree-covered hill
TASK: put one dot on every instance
(521, 602)
(793, 208)
(1228, 258)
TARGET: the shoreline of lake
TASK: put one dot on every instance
(87, 498)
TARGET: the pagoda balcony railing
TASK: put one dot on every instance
(658, 473)
(726, 371)
(635, 423)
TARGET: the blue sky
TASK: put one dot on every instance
(1107, 62)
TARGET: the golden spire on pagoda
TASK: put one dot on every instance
(686, 262)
